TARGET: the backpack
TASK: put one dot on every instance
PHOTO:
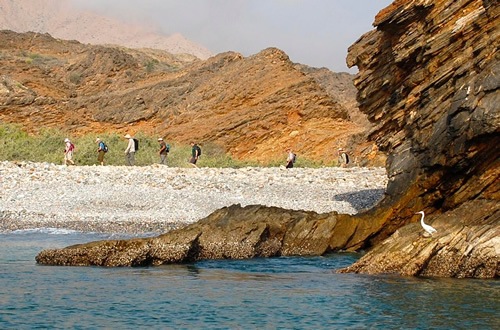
(104, 147)
(167, 148)
(294, 158)
(197, 147)
(346, 157)
(71, 147)
(136, 144)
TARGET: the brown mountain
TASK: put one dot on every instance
(63, 19)
(252, 107)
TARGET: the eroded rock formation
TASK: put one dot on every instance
(465, 245)
(429, 78)
(230, 233)
(251, 108)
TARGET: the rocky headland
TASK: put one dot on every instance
(428, 79)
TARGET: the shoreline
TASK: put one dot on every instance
(156, 198)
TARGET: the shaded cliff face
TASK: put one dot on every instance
(252, 107)
(428, 78)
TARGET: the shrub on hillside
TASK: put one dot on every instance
(48, 146)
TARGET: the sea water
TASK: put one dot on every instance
(275, 293)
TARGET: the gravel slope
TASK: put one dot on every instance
(157, 198)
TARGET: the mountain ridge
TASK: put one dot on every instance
(65, 20)
(252, 107)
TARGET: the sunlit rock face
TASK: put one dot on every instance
(429, 77)
(233, 232)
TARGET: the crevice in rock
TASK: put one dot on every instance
(194, 250)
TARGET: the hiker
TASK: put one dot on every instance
(164, 150)
(130, 151)
(68, 152)
(195, 154)
(101, 150)
(290, 159)
(343, 158)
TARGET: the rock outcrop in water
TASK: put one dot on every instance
(429, 79)
(233, 232)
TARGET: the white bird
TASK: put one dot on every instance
(426, 227)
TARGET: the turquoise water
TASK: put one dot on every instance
(277, 293)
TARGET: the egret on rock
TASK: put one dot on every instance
(426, 227)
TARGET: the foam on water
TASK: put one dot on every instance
(45, 230)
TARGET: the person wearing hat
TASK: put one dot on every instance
(101, 150)
(343, 158)
(290, 158)
(164, 150)
(130, 151)
(69, 148)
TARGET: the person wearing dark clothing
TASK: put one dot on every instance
(343, 158)
(290, 159)
(195, 154)
(101, 150)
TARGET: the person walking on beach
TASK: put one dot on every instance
(101, 150)
(290, 158)
(195, 154)
(164, 150)
(343, 158)
(130, 151)
(69, 148)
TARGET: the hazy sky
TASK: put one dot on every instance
(312, 32)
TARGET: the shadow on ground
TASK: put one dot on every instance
(361, 200)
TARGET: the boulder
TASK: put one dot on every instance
(466, 245)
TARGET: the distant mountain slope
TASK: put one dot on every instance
(63, 20)
(253, 107)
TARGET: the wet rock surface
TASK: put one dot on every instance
(466, 245)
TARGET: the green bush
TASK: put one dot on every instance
(48, 146)
(75, 78)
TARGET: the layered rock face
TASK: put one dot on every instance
(429, 78)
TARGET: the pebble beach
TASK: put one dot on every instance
(157, 198)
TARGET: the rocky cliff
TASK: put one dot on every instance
(429, 81)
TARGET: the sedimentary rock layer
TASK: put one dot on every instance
(429, 78)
